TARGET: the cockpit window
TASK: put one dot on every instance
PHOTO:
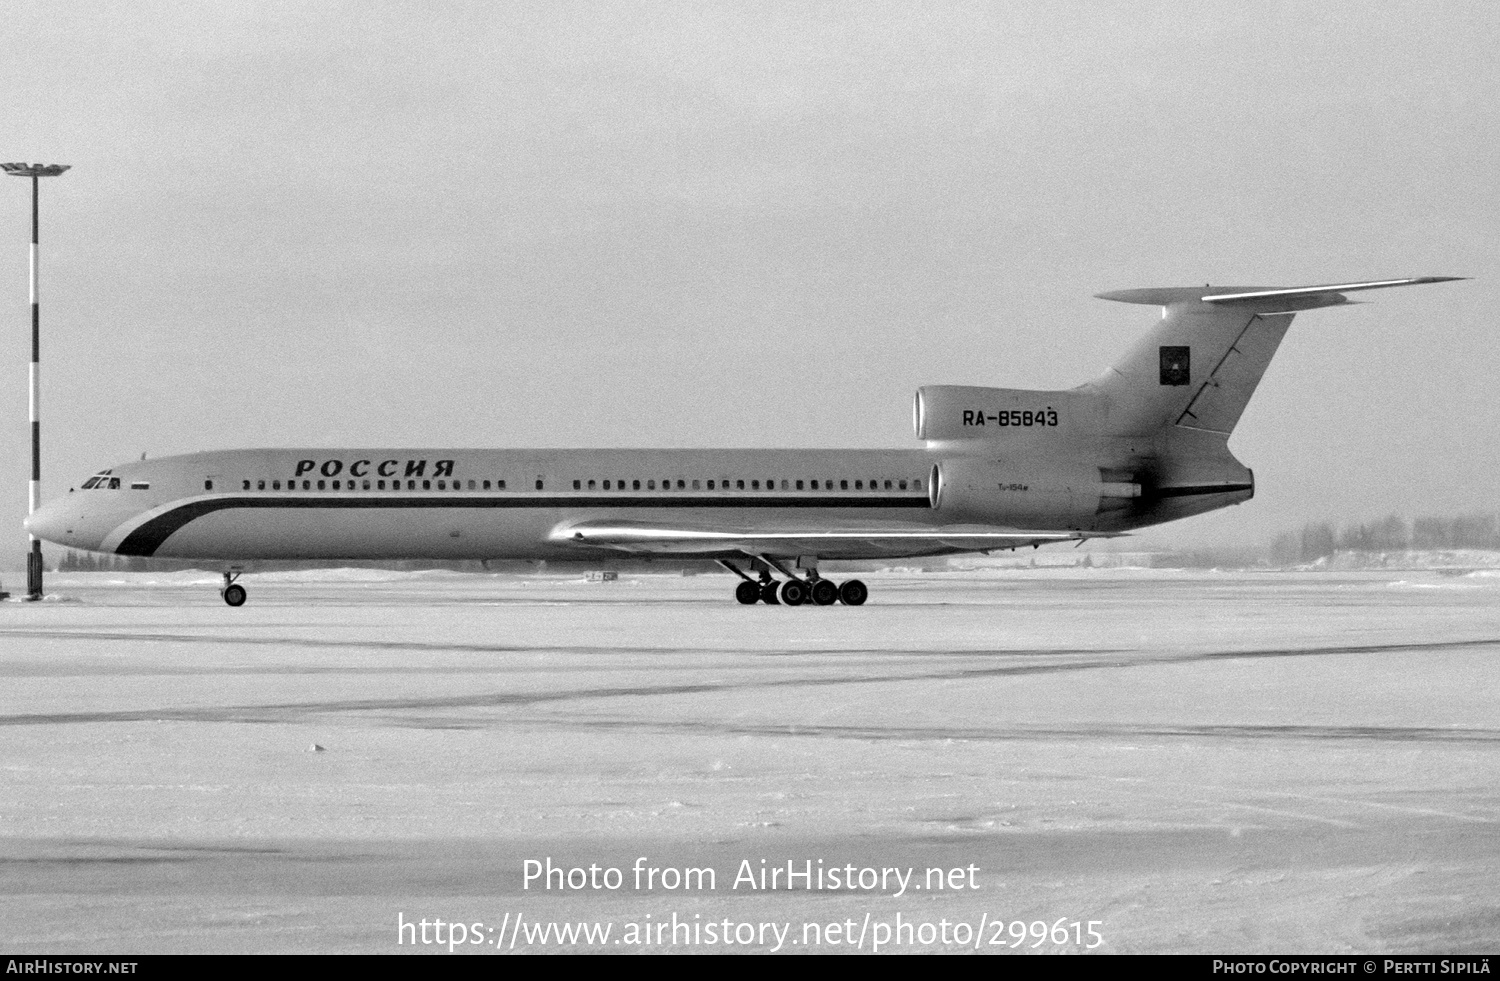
(89, 484)
(114, 483)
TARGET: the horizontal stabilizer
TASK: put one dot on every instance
(1335, 288)
(1296, 297)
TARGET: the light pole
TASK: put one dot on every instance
(34, 557)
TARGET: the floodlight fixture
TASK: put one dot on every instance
(33, 170)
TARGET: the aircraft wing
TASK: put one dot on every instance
(649, 538)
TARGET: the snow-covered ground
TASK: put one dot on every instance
(1199, 761)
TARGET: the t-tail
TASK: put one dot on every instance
(1149, 437)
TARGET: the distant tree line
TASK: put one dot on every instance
(1320, 539)
(72, 561)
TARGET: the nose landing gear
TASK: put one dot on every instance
(232, 592)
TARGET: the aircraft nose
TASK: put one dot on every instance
(51, 522)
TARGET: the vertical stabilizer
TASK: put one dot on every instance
(1199, 367)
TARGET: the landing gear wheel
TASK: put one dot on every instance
(768, 594)
(794, 592)
(234, 595)
(853, 593)
(825, 592)
(748, 593)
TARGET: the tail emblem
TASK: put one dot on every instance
(1175, 362)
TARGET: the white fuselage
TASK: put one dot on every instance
(477, 504)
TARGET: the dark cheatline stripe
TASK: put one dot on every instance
(1193, 490)
(146, 539)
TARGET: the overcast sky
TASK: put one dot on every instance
(736, 224)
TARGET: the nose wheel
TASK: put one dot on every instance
(233, 593)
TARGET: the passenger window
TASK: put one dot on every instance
(365, 484)
(843, 485)
(260, 485)
(903, 485)
(320, 485)
(916, 485)
(859, 485)
(591, 485)
(442, 485)
(680, 485)
(695, 485)
(411, 485)
(815, 485)
(380, 485)
(606, 485)
(755, 485)
(427, 485)
(887, 485)
(710, 485)
(335, 485)
(799, 485)
(486, 485)
(500, 484)
(471, 485)
(539, 483)
(578, 485)
(635, 485)
(739, 485)
(276, 485)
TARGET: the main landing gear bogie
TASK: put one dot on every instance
(823, 592)
(813, 590)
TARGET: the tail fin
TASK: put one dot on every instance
(1201, 364)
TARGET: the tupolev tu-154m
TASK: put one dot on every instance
(1001, 468)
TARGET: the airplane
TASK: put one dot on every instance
(1145, 443)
